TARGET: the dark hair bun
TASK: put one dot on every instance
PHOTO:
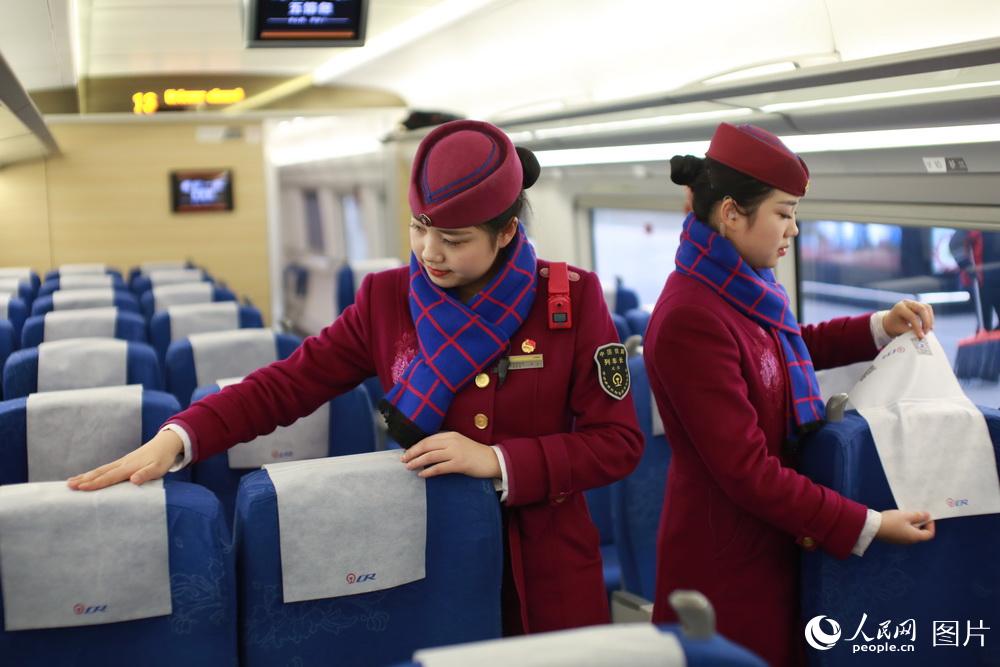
(684, 169)
(530, 167)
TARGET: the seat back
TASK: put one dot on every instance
(621, 326)
(79, 281)
(349, 433)
(157, 408)
(200, 631)
(638, 320)
(21, 273)
(457, 601)
(98, 297)
(7, 344)
(182, 373)
(202, 319)
(145, 282)
(127, 326)
(20, 375)
(15, 311)
(86, 269)
(18, 288)
(952, 578)
(637, 500)
(349, 277)
(156, 300)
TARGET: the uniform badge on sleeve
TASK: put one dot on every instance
(612, 370)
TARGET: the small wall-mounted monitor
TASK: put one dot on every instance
(201, 190)
(291, 23)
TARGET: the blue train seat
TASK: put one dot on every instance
(638, 320)
(178, 322)
(200, 631)
(81, 281)
(952, 578)
(599, 505)
(15, 311)
(21, 273)
(8, 343)
(637, 500)
(458, 600)
(621, 326)
(348, 433)
(182, 374)
(83, 270)
(99, 297)
(60, 325)
(160, 298)
(156, 408)
(18, 288)
(20, 374)
(146, 282)
(349, 277)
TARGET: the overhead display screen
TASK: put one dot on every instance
(284, 23)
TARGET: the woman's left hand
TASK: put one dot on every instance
(451, 452)
(909, 315)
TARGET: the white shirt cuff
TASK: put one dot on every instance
(872, 523)
(500, 485)
(879, 336)
(182, 461)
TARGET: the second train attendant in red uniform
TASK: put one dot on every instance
(732, 373)
(498, 366)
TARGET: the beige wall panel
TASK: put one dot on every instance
(109, 201)
(24, 222)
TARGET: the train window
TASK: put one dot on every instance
(853, 267)
(314, 221)
(354, 227)
(637, 246)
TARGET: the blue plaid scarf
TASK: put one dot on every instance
(706, 256)
(456, 341)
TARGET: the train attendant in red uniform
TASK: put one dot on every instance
(732, 374)
(497, 365)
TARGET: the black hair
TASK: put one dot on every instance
(712, 181)
(531, 170)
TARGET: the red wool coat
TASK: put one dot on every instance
(735, 507)
(560, 433)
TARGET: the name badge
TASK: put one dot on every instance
(522, 361)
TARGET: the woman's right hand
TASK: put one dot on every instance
(899, 527)
(149, 462)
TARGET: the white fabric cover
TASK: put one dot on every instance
(4, 301)
(165, 296)
(78, 363)
(17, 272)
(349, 524)
(83, 323)
(226, 354)
(174, 276)
(70, 432)
(307, 438)
(632, 644)
(84, 281)
(77, 269)
(932, 441)
(9, 286)
(75, 299)
(169, 265)
(196, 318)
(70, 558)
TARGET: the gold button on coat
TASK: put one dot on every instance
(808, 542)
(481, 421)
(482, 380)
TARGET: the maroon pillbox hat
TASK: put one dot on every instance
(758, 153)
(465, 173)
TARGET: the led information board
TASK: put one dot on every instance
(284, 23)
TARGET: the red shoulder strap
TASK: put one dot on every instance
(560, 308)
